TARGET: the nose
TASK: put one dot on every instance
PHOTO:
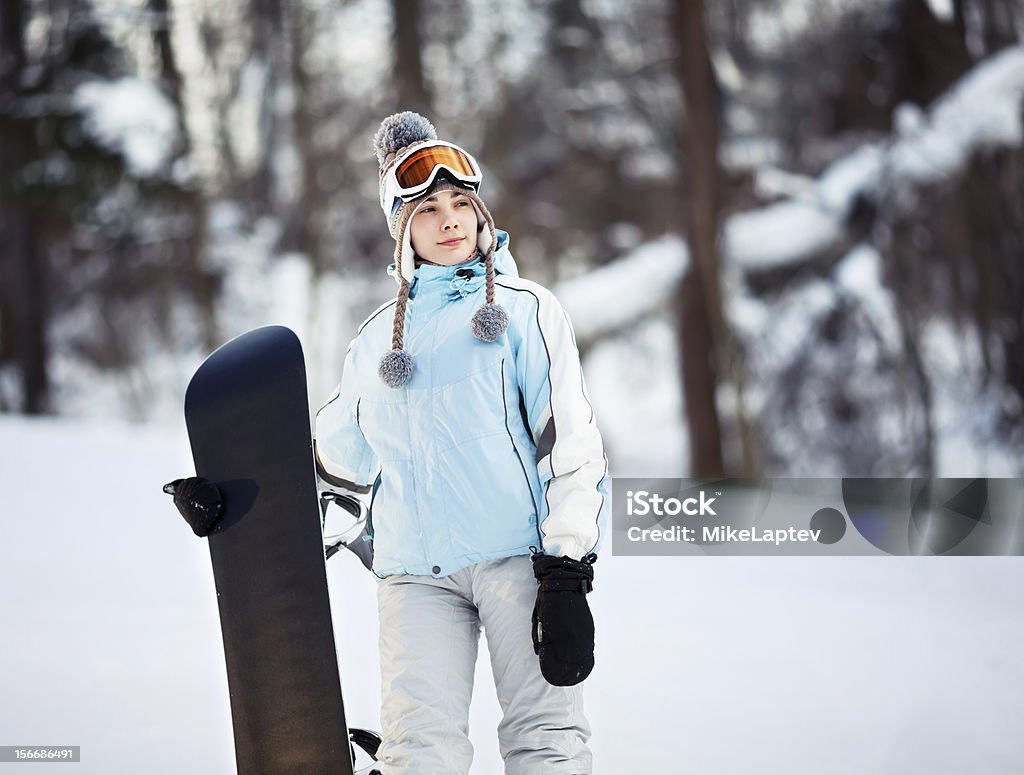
(450, 221)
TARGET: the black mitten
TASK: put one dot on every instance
(199, 502)
(563, 627)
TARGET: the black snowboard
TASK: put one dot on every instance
(248, 423)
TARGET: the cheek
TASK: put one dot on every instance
(417, 229)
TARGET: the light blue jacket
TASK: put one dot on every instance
(491, 447)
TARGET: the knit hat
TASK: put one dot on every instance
(399, 133)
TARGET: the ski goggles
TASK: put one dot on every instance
(416, 171)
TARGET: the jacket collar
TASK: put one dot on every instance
(460, 280)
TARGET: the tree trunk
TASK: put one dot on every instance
(268, 24)
(311, 204)
(193, 202)
(707, 348)
(412, 89)
(23, 295)
(697, 304)
(22, 261)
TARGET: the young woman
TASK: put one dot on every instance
(463, 418)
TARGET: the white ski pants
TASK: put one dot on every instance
(429, 632)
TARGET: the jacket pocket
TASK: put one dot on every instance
(385, 426)
(491, 507)
(471, 407)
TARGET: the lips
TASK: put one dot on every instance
(453, 242)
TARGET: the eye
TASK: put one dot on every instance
(426, 209)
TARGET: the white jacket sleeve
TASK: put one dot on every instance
(571, 460)
(344, 461)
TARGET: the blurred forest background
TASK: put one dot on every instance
(790, 233)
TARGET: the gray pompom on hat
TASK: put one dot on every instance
(397, 134)
(398, 131)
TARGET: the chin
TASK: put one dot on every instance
(451, 260)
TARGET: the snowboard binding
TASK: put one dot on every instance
(369, 742)
(340, 531)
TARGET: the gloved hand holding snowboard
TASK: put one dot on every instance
(199, 502)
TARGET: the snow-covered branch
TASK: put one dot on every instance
(984, 108)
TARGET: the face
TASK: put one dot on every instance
(443, 230)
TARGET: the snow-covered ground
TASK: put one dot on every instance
(710, 666)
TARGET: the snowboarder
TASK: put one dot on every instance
(462, 417)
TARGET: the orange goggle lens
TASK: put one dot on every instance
(416, 169)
